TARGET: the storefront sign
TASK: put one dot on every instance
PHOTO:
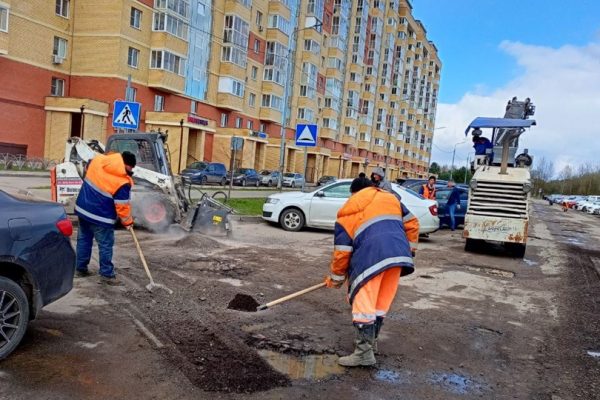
(197, 120)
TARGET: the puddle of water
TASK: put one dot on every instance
(311, 367)
(390, 376)
(595, 354)
(530, 263)
(455, 383)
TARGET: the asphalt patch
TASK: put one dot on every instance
(243, 302)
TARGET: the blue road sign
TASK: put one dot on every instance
(126, 115)
(306, 135)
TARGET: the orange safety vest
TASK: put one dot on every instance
(427, 193)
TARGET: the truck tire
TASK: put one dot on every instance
(517, 250)
(14, 316)
(473, 245)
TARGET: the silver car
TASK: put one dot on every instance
(292, 179)
(269, 178)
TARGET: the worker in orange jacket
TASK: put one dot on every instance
(428, 189)
(102, 202)
(375, 242)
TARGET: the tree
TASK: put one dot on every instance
(434, 168)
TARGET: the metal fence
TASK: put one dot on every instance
(21, 162)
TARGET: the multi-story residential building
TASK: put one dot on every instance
(362, 70)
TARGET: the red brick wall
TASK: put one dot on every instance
(260, 55)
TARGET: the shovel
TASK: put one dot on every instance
(151, 285)
(290, 296)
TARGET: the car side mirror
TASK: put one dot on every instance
(320, 193)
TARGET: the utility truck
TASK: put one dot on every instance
(498, 208)
(158, 198)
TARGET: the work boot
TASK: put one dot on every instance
(378, 325)
(363, 350)
(82, 274)
(111, 281)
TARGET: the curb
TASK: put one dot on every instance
(25, 174)
(247, 218)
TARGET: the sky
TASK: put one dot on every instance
(492, 50)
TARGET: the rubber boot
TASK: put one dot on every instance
(378, 325)
(363, 350)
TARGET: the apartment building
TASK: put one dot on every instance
(205, 71)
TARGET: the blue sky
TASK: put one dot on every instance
(468, 34)
(492, 50)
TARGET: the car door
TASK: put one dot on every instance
(460, 214)
(441, 196)
(325, 204)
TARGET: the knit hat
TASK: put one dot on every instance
(129, 159)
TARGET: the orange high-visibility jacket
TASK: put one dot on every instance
(373, 232)
(428, 193)
(105, 193)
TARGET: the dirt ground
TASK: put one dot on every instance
(463, 326)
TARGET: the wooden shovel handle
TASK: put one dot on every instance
(142, 258)
(294, 295)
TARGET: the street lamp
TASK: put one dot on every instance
(291, 64)
(453, 154)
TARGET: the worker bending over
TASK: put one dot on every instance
(375, 241)
(101, 203)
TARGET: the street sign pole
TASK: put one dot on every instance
(305, 167)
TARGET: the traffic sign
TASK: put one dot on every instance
(306, 135)
(237, 143)
(126, 115)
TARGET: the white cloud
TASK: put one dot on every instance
(563, 83)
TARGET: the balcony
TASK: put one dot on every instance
(229, 101)
(328, 133)
(166, 80)
(270, 114)
(166, 41)
(3, 43)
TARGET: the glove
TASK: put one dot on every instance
(332, 283)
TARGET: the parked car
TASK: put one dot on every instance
(318, 209)
(324, 180)
(292, 179)
(269, 178)
(246, 176)
(441, 195)
(37, 262)
(202, 172)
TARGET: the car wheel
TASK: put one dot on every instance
(292, 220)
(293, 184)
(244, 182)
(257, 184)
(223, 181)
(204, 180)
(270, 183)
(14, 316)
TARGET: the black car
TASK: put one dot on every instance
(37, 262)
(246, 176)
(441, 195)
(324, 180)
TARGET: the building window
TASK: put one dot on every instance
(3, 19)
(254, 72)
(278, 22)
(259, 19)
(239, 122)
(235, 40)
(252, 100)
(57, 87)
(224, 120)
(231, 86)
(263, 127)
(306, 114)
(133, 56)
(164, 22)
(60, 47)
(256, 46)
(62, 8)
(194, 107)
(250, 124)
(135, 18)
(159, 103)
(272, 101)
(162, 59)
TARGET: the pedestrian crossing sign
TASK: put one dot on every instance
(126, 115)
(306, 135)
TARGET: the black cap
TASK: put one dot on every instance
(359, 184)
(129, 158)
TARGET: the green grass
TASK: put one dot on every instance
(250, 206)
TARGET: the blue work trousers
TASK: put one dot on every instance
(452, 211)
(105, 237)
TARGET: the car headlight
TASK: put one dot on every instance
(473, 184)
(527, 186)
(271, 200)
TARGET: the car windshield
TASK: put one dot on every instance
(242, 170)
(289, 175)
(265, 172)
(198, 165)
(405, 189)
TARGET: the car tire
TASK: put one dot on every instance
(223, 182)
(14, 326)
(204, 180)
(293, 184)
(257, 183)
(270, 183)
(243, 182)
(292, 220)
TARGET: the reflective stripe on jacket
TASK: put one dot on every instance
(105, 193)
(373, 232)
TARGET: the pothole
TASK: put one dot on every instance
(484, 329)
(455, 383)
(490, 271)
(309, 367)
(390, 376)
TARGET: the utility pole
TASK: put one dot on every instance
(454, 154)
(467, 168)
